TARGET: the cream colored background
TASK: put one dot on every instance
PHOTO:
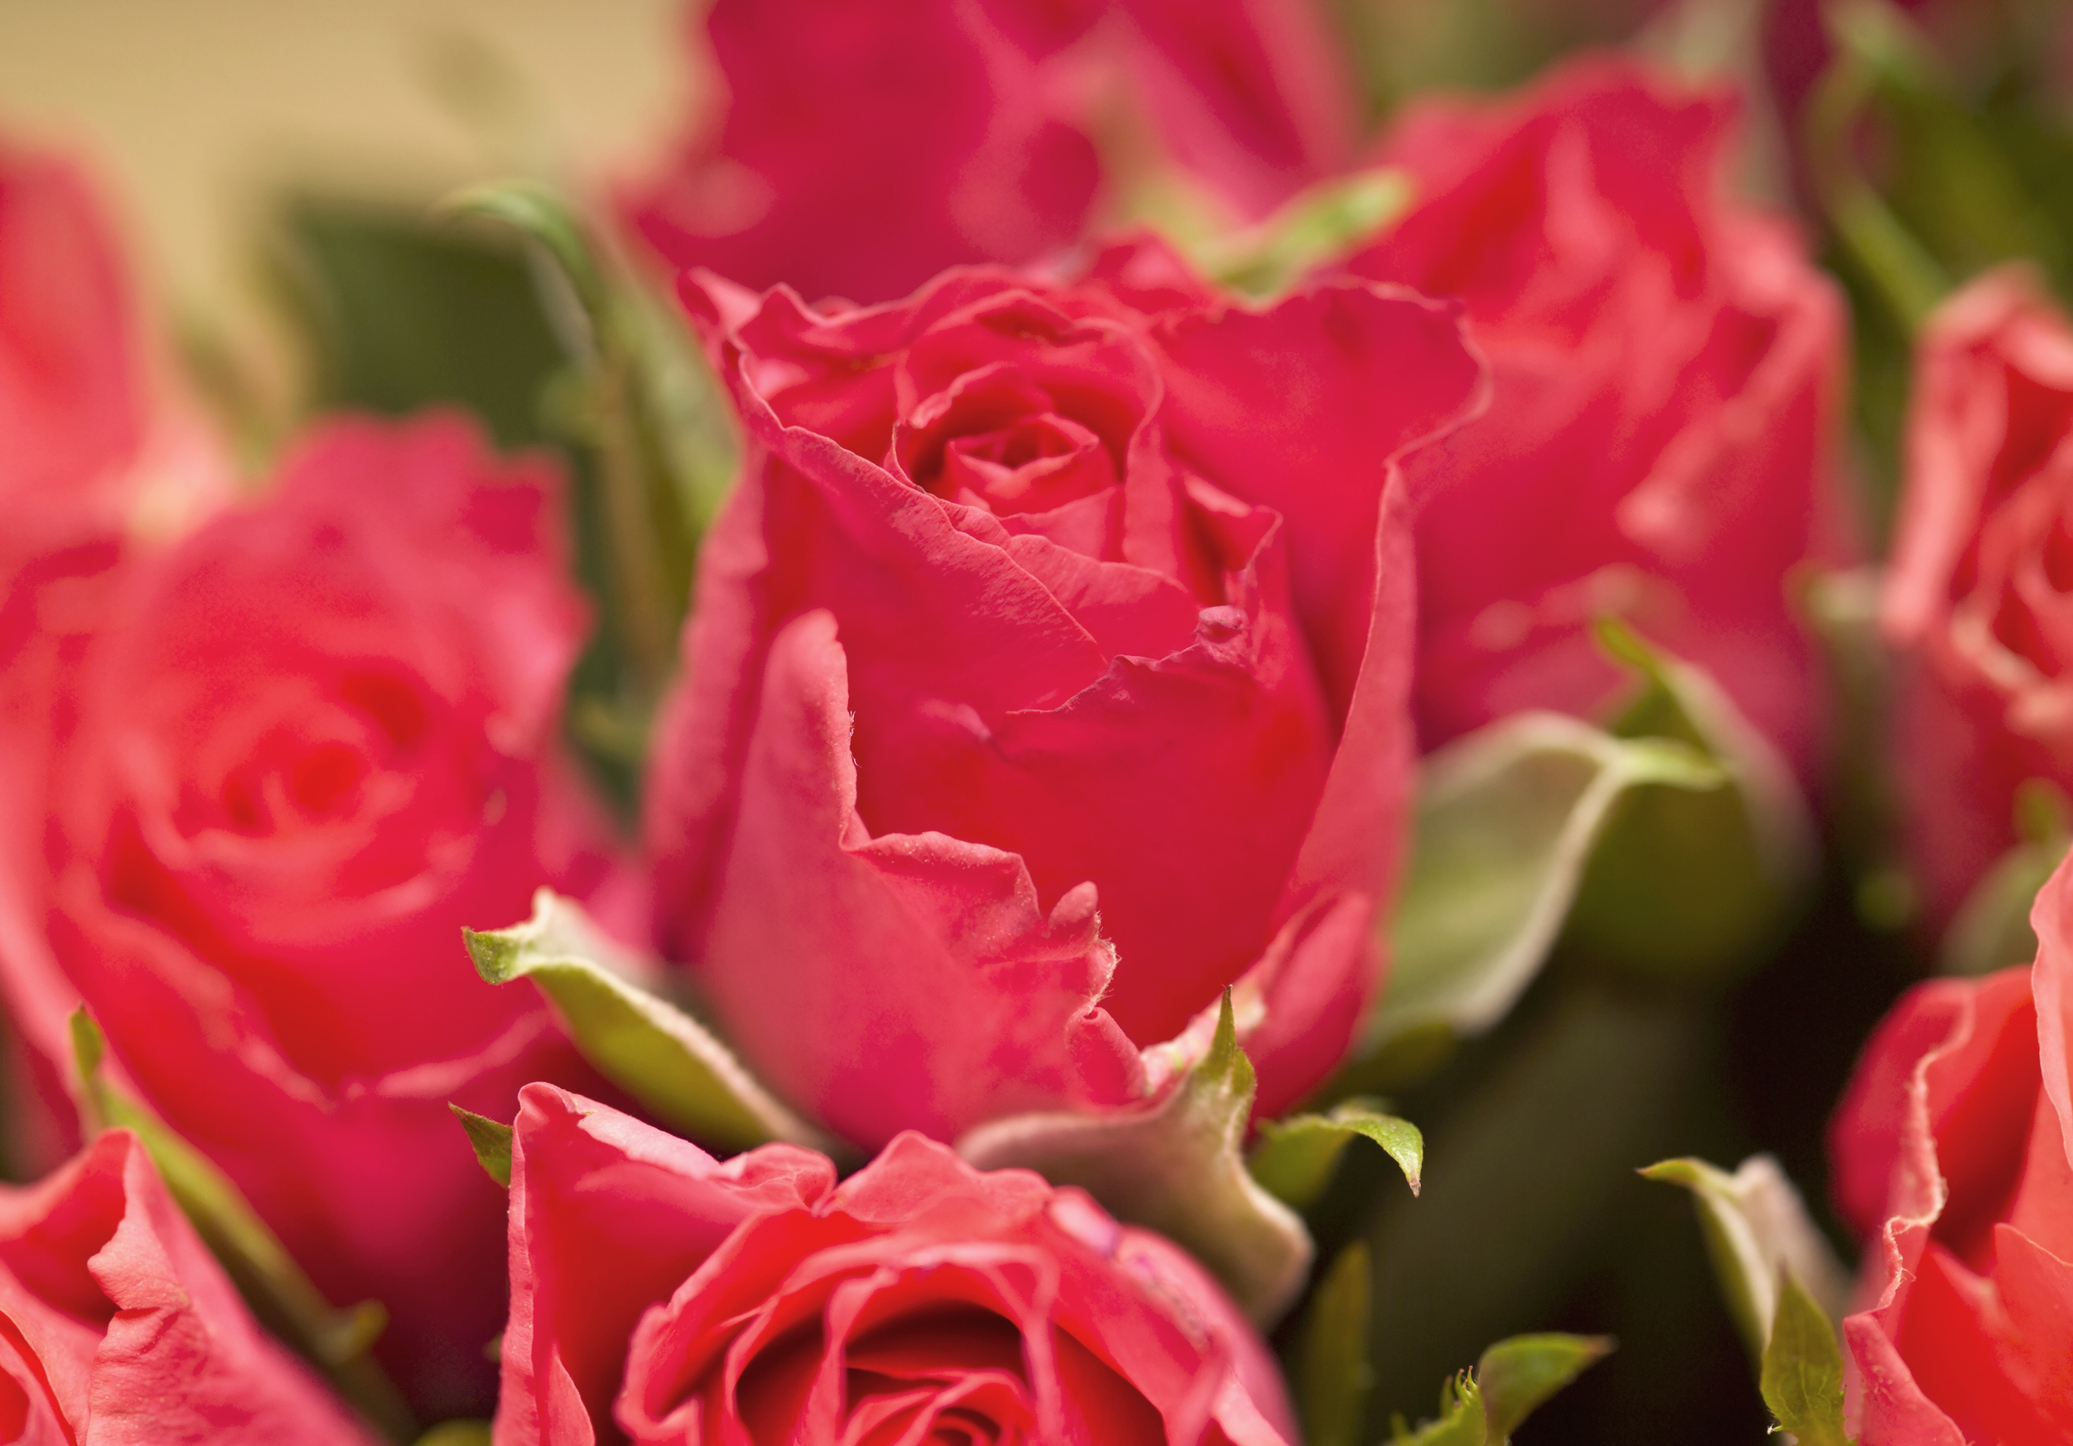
(187, 109)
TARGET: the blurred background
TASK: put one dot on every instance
(274, 161)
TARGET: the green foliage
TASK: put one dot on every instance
(491, 1142)
(1177, 1166)
(1992, 929)
(457, 1433)
(1332, 1373)
(1507, 820)
(639, 1040)
(336, 1342)
(1756, 1227)
(1325, 221)
(1511, 1381)
(1296, 1154)
(1802, 1379)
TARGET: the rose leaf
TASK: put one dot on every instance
(1461, 1421)
(1802, 1379)
(1332, 1372)
(636, 1038)
(1511, 1380)
(492, 1143)
(457, 1433)
(1684, 884)
(1757, 1228)
(1295, 1156)
(283, 1298)
(1506, 822)
(1174, 1165)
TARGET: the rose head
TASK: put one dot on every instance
(304, 747)
(71, 396)
(1953, 1153)
(1665, 370)
(1046, 677)
(659, 1296)
(121, 1328)
(1979, 595)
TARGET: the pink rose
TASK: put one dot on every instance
(299, 751)
(1047, 676)
(660, 1296)
(1978, 595)
(1658, 445)
(1954, 1160)
(121, 1329)
(862, 148)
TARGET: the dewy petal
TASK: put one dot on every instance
(991, 1007)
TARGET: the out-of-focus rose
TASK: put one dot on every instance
(121, 1328)
(1658, 445)
(865, 147)
(1953, 1157)
(72, 410)
(301, 750)
(1979, 592)
(1047, 676)
(659, 1296)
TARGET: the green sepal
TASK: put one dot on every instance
(1333, 1376)
(1756, 1229)
(1177, 1166)
(1506, 822)
(1296, 1155)
(1802, 1377)
(1685, 884)
(1486, 1406)
(636, 1038)
(337, 1342)
(1519, 1374)
(491, 1141)
(1991, 929)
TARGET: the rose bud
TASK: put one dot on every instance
(1666, 369)
(303, 748)
(121, 1327)
(1978, 599)
(660, 1296)
(1046, 677)
(1953, 1152)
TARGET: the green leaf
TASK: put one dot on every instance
(1802, 1378)
(1296, 1155)
(1991, 929)
(1755, 1227)
(1332, 1374)
(1319, 224)
(1176, 1166)
(1519, 1374)
(1506, 822)
(1686, 885)
(1511, 1381)
(457, 1433)
(284, 1300)
(1461, 1421)
(636, 1038)
(492, 1143)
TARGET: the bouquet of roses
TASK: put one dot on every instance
(1077, 734)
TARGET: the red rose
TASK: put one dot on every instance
(1979, 595)
(1658, 445)
(302, 749)
(120, 1328)
(1954, 1159)
(1047, 676)
(659, 1296)
(867, 146)
(71, 389)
